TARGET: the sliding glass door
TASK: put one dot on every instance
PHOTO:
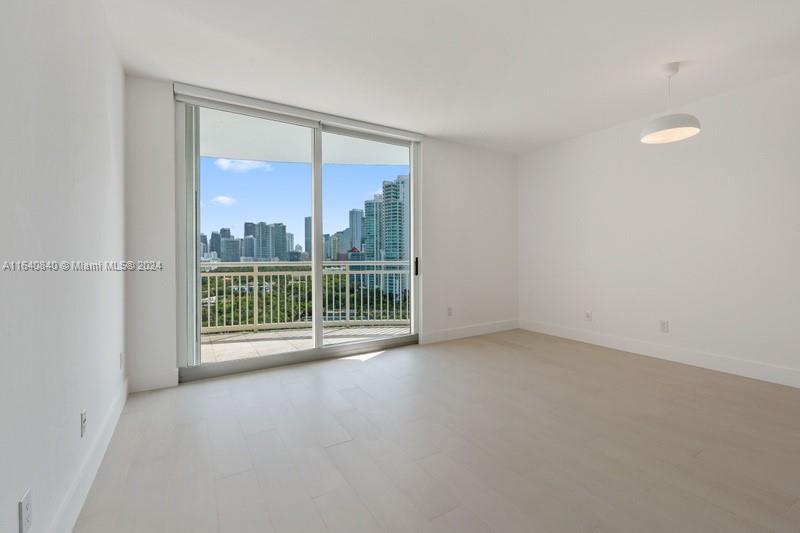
(256, 284)
(287, 213)
(366, 234)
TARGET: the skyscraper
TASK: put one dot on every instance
(231, 249)
(308, 236)
(225, 233)
(341, 244)
(249, 229)
(336, 245)
(326, 247)
(289, 242)
(395, 218)
(215, 244)
(373, 228)
(279, 249)
(263, 242)
(248, 248)
(356, 228)
(395, 228)
(271, 241)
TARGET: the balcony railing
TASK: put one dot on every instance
(278, 295)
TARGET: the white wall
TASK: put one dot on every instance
(704, 233)
(468, 241)
(151, 327)
(61, 172)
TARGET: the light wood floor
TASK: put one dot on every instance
(506, 432)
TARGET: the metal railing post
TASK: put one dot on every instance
(255, 298)
(347, 293)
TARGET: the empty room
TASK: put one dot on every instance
(424, 266)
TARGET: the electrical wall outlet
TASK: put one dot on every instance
(83, 423)
(25, 512)
(664, 326)
(449, 311)
(587, 316)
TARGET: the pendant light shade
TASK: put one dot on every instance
(673, 127)
(670, 129)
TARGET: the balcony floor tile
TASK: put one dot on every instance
(219, 347)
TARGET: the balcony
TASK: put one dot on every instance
(262, 308)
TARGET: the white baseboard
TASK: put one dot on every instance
(722, 363)
(71, 505)
(466, 331)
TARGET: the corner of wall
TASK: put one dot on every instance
(70, 508)
(163, 379)
(151, 310)
(712, 361)
(694, 232)
(461, 332)
(452, 276)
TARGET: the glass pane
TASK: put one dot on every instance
(366, 208)
(255, 272)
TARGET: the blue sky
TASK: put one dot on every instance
(233, 192)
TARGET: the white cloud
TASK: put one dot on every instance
(223, 200)
(241, 165)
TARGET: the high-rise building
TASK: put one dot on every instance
(214, 245)
(344, 245)
(263, 242)
(326, 247)
(249, 229)
(341, 244)
(271, 242)
(289, 242)
(373, 228)
(225, 233)
(308, 236)
(231, 249)
(395, 219)
(248, 252)
(337, 244)
(396, 228)
(356, 228)
(279, 249)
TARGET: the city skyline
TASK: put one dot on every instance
(233, 192)
(376, 230)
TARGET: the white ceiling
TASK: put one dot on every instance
(509, 75)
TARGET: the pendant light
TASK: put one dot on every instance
(672, 127)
